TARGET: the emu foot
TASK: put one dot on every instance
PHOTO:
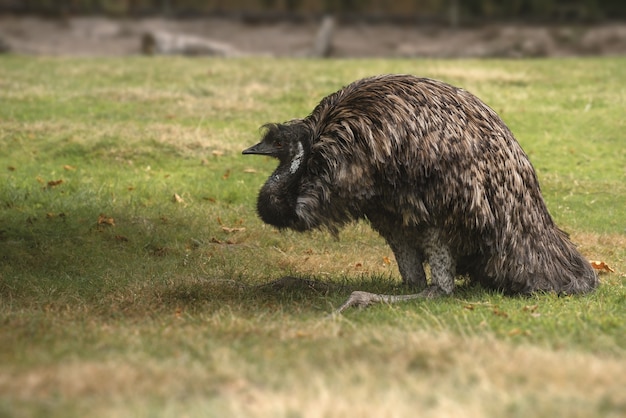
(361, 299)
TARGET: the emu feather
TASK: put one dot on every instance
(436, 172)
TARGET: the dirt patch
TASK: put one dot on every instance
(98, 36)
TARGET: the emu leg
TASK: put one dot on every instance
(442, 264)
(410, 261)
(405, 246)
(442, 268)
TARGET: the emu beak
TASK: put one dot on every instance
(261, 148)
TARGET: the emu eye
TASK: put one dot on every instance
(278, 144)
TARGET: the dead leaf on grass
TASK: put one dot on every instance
(231, 230)
(54, 183)
(217, 241)
(517, 331)
(177, 199)
(498, 312)
(68, 167)
(161, 251)
(105, 220)
(601, 266)
(249, 170)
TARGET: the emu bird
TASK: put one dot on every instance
(436, 172)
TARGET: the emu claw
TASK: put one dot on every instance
(361, 300)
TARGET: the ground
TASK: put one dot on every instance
(108, 37)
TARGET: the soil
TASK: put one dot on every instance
(99, 36)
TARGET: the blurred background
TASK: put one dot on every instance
(324, 28)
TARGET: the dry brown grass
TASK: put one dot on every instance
(407, 372)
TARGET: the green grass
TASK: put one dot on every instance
(118, 299)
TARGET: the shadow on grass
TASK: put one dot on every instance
(292, 294)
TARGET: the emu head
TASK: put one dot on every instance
(290, 143)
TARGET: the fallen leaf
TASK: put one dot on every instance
(217, 153)
(231, 230)
(54, 183)
(601, 266)
(160, 251)
(226, 175)
(105, 220)
(530, 308)
(249, 170)
(68, 167)
(217, 241)
(177, 199)
(386, 260)
(517, 331)
(498, 312)
(121, 238)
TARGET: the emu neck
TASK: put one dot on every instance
(278, 197)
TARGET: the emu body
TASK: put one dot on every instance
(436, 172)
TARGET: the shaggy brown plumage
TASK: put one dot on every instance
(436, 172)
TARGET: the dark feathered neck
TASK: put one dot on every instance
(278, 197)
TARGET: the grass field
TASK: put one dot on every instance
(130, 251)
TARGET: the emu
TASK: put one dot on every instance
(437, 174)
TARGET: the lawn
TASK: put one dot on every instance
(132, 260)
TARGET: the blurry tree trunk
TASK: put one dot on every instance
(453, 13)
(323, 40)
(166, 7)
